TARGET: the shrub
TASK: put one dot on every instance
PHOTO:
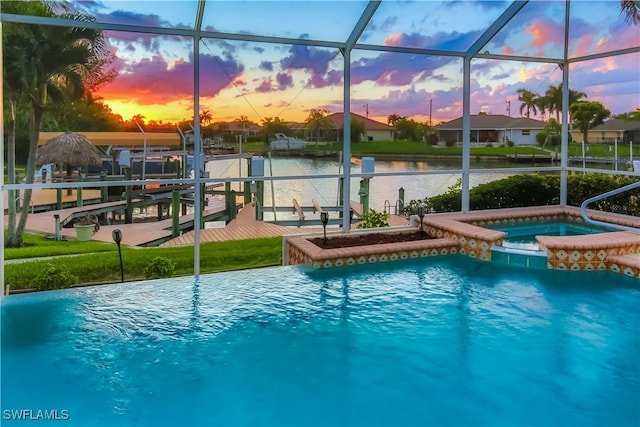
(411, 208)
(373, 219)
(159, 267)
(432, 139)
(539, 190)
(55, 277)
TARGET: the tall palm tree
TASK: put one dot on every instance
(392, 119)
(205, 117)
(138, 118)
(552, 99)
(15, 84)
(631, 11)
(529, 100)
(58, 61)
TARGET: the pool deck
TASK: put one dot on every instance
(465, 233)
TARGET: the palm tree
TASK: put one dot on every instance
(317, 121)
(205, 117)
(552, 99)
(529, 100)
(392, 119)
(631, 10)
(138, 118)
(55, 62)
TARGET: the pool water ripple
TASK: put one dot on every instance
(449, 341)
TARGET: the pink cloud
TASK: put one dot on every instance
(156, 81)
(545, 32)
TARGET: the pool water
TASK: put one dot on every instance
(444, 342)
(523, 235)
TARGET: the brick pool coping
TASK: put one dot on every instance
(465, 233)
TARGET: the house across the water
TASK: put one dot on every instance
(493, 129)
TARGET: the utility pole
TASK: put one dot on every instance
(508, 107)
(366, 110)
(430, 110)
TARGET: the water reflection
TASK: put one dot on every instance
(382, 188)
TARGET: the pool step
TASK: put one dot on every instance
(519, 257)
(628, 264)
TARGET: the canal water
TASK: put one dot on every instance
(384, 190)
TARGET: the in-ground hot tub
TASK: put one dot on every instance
(522, 235)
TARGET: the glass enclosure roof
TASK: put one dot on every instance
(536, 31)
(324, 20)
(431, 24)
(163, 14)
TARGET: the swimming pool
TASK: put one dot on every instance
(436, 341)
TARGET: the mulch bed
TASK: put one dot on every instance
(368, 239)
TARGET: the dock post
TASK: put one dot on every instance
(257, 171)
(128, 212)
(79, 191)
(247, 192)
(227, 199)
(104, 191)
(232, 205)
(247, 184)
(364, 195)
(400, 201)
(56, 232)
(203, 204)
(340, 194)
(259, 200)
(175, 213)
(58, 198)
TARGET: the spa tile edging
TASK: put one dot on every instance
(565, 252)
(464, 233)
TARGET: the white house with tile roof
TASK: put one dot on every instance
(494, 129)
(374, 131)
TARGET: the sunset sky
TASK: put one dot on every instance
(262, 80)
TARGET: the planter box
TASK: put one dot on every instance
(298, 249)
(84, 232)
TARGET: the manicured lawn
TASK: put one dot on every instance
(421, 148)
(37, 245)
(105, 267)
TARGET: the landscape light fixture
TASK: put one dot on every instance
(117, 237)
(324, 218)
(421, 215)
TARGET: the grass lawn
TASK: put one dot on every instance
(37, 245)
(104, 267)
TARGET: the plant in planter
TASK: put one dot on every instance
(86, 226)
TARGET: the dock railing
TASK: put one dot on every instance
(583, 208)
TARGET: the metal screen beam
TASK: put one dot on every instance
(197, 143)
(366, 16)
(497, 25)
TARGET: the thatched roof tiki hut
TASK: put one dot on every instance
(69, 149)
